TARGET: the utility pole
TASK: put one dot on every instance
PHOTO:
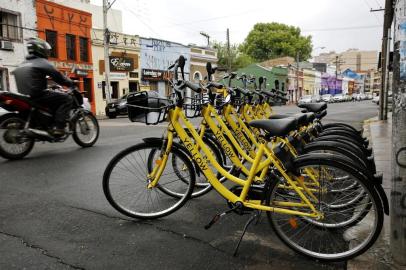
(398, 194)
(387, 22)
(106, 7)
(338, 62)
(228, 50)
(297, 77)
(386, 79)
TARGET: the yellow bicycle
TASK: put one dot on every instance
(140, 185)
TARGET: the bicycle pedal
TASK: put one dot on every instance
(217, 217)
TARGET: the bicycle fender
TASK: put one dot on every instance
(384, 198)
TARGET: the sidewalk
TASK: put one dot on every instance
(379, 257)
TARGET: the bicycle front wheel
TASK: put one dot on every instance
(125, 183)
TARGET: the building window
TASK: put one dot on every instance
(3, 79)
(70, 47)
(84, 52)
(2, 88)
(51, 38)
(134, 75)
(10, 26)
(197, 76)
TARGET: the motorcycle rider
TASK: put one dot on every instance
(31, 79)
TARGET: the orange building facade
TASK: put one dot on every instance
(67, 30)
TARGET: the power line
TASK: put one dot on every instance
(217, 18)
(341, 28)
(366, 3)
(139, 19)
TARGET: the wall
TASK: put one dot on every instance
(198, 59)
(159, 55)
(354, 59)
(345, 85)
(11, 59)
(317, 83)
(122, 45)
(114, 16)
(308, 82)
(65, 20)
(398, 164)
(272, 74)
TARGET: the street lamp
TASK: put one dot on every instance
(206, 36)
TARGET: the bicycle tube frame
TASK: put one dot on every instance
(177, 117)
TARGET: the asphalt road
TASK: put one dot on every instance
(53, 214)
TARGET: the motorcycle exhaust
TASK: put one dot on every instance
(39, 134)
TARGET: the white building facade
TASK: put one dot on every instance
(156, 56)
(17, 23)
(124, 64)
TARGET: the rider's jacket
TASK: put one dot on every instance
(31, 77)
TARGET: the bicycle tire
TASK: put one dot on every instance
(151, 193)
(331, 237)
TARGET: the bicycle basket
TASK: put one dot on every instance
(147, 107)
(193, 106)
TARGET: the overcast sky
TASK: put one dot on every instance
(334, 24)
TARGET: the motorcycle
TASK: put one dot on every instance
(27, 122)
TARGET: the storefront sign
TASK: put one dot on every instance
(144, 88)
(155, 75)
(121, 63)
(118, 76)
(60, 64)
(81, 72)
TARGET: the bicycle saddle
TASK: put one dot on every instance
(310, 116)
(301, 118)
(314, 107)
(275, 127)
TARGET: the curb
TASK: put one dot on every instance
(378, 257)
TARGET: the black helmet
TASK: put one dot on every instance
(38, 47)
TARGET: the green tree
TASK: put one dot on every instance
(238, 58)
(271, 40)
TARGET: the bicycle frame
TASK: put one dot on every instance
(259, 166)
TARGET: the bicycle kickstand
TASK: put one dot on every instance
(250, 220)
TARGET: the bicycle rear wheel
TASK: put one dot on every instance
(343, 233)
(125, 183)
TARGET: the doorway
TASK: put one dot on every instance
(87, 87)
(113, 89)
(133, 86)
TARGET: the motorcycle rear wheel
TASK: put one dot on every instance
(14, 145)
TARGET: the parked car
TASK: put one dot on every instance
(375, 99)
(305, 99)
(316, 98)
(327, 98)
(338, 98)
(118, 107)
(369, 96)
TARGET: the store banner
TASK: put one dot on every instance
(114, 76)
(121, 63)
(155, 75)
